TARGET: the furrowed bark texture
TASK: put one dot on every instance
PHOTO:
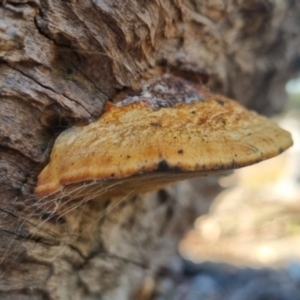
(60, 62)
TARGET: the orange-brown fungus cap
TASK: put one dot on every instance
(169, 132)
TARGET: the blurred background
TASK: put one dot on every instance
(248, 245)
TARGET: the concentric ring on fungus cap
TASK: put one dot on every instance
(172, 130)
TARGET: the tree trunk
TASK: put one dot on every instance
(61, 61)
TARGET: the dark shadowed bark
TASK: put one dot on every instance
(60, 62)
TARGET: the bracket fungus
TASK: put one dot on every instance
(172, 130)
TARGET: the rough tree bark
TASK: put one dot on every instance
(61, 61)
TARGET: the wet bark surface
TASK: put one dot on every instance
(61, 61)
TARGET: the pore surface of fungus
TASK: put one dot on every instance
(171, 131)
